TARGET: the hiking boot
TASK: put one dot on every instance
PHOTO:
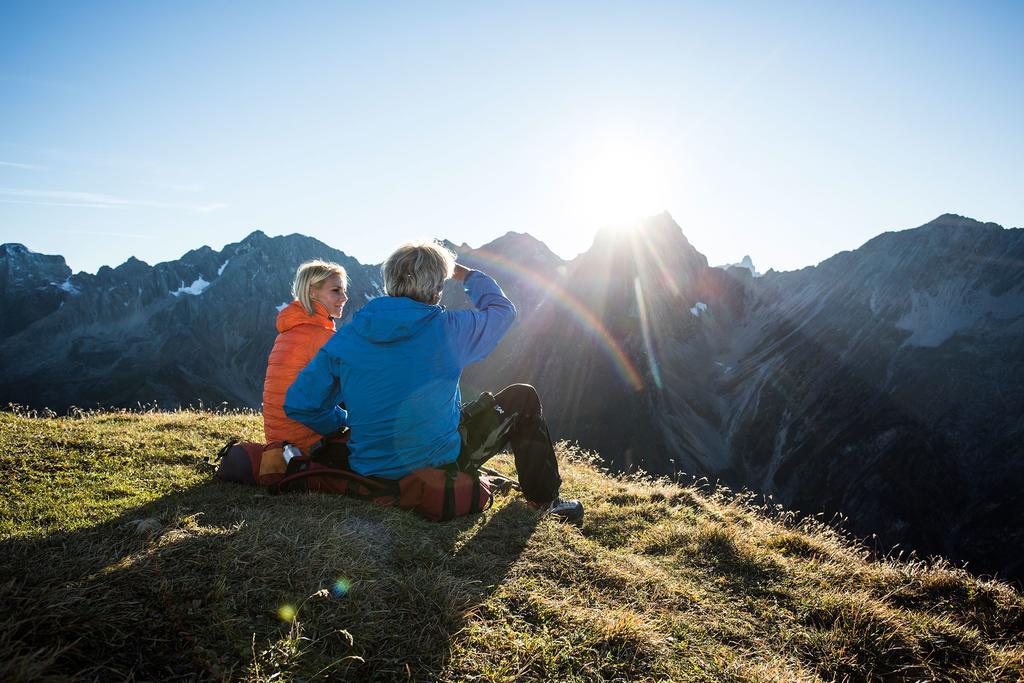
(570, 511)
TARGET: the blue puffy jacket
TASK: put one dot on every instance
(397, 365)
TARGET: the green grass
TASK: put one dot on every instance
(122, 558)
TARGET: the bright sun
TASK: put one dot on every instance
(618, 180)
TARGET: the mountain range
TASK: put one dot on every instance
(886, 383)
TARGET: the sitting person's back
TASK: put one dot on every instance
(397, 365)
(399, 361)
(400, 379)
(303, 326)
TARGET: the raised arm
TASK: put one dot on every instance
(476, 333)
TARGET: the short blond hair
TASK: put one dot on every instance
(418, 270)
(312, 273)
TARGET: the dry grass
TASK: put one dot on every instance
(120, 558)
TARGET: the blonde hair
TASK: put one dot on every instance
(418, 270)
(309, 275)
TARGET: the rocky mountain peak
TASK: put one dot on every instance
(18, 262)
(256, 237)
(31, 286)
(13, 252)
(956, 220)
(517, 239)
(521, 246)
(199, 256)
(13, 248)
(132, 265)
(957, 228)
(947, 247)
(746, 263)
(659, 227)
(654, 249)
(131, 269)
(451, 246)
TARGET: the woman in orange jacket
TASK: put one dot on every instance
(303, 326)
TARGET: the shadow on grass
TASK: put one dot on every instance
(221, 582)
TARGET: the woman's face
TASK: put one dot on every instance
(331, 293)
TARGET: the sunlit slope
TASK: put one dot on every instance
(120, 556)
(886, 383)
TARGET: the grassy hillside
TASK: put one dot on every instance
(121, 557)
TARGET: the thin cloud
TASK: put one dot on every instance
(23, 167)
(179, 187)
(71, 204)
(101, 233)
(96, 200)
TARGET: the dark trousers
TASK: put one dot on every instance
(518, 422)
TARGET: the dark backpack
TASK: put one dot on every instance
(247, 462)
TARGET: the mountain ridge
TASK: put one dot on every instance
(882, 383)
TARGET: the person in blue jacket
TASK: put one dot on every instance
(396, 366)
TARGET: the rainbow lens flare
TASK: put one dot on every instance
(340, 587)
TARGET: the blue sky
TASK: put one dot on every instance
(787, 131)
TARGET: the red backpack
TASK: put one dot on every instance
(439, 494)
(247, 462)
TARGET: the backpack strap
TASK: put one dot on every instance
(373, 487)
(448, 508)
(475, 500)
(215, 460)
(452, 473)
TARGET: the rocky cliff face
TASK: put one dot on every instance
(886, 383)
(32, 286)
(194, 330)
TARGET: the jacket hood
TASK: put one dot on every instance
(392, 318)
(294, 315)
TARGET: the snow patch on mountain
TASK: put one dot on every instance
(68, 287)
(194, 289)
(222, 267)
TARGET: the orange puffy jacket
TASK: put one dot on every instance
(300, 336)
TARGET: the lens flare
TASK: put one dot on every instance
(286, 612)
(650, 251)
(645, 327)
(340, 587)
(570, 304)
